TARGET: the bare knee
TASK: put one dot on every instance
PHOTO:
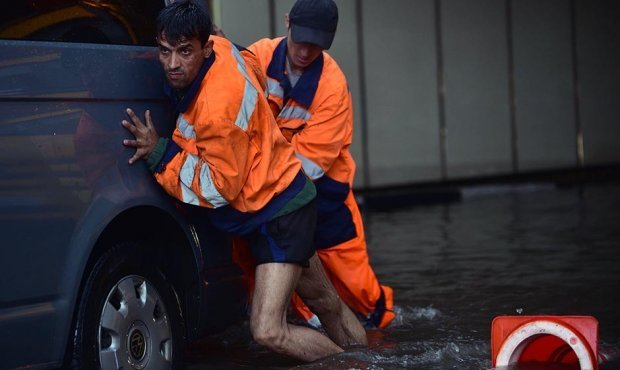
(268, 334)
(324, 304)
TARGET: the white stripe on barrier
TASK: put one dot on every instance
(513, 346)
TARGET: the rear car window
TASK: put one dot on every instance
(120, 22)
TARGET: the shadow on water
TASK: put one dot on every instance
(456, 266)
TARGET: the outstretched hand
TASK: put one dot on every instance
(145, 133)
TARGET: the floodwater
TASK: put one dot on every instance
(501, 250)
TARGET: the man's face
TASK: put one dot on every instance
(182, 62)
(301, 55)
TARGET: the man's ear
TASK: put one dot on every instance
(287, 21)
(208, 48)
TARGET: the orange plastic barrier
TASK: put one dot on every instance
(567, 340)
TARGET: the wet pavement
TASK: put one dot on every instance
(500, 250)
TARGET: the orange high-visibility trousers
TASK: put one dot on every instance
(348, 268)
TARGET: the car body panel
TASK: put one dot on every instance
(65, 185)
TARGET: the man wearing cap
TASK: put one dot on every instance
(309, 97)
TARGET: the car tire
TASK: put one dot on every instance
(129, 315)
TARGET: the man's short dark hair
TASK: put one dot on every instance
(185, 19)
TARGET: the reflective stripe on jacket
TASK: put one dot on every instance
(227, 151)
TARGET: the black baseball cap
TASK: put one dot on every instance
(314, 22)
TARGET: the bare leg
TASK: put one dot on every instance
(319, 295)
(274, 286)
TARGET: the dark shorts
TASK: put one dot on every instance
(289, 238)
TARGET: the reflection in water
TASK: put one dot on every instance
(456, 266)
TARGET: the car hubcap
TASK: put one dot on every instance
(134, 330)
(137, 342)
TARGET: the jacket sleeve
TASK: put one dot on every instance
(213, 174)
(327, 131)
(227, 151)
(259, 49)
(253, 63)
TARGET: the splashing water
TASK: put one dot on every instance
(454, 267)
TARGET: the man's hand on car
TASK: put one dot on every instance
(145, 133)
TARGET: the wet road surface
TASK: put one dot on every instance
(507, 250)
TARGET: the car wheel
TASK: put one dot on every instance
(129, 315)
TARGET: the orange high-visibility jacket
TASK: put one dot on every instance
(316, 116)
(227, 152)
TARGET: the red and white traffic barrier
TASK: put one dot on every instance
(568, 340)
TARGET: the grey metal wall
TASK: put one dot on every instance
(477, 115)
(454, 89)
(598, 59)
(401, 91)
(244, 21)
(544, 89)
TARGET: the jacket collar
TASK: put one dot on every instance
(185, 98)
(305, 89)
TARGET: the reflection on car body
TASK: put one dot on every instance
(86, 237)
